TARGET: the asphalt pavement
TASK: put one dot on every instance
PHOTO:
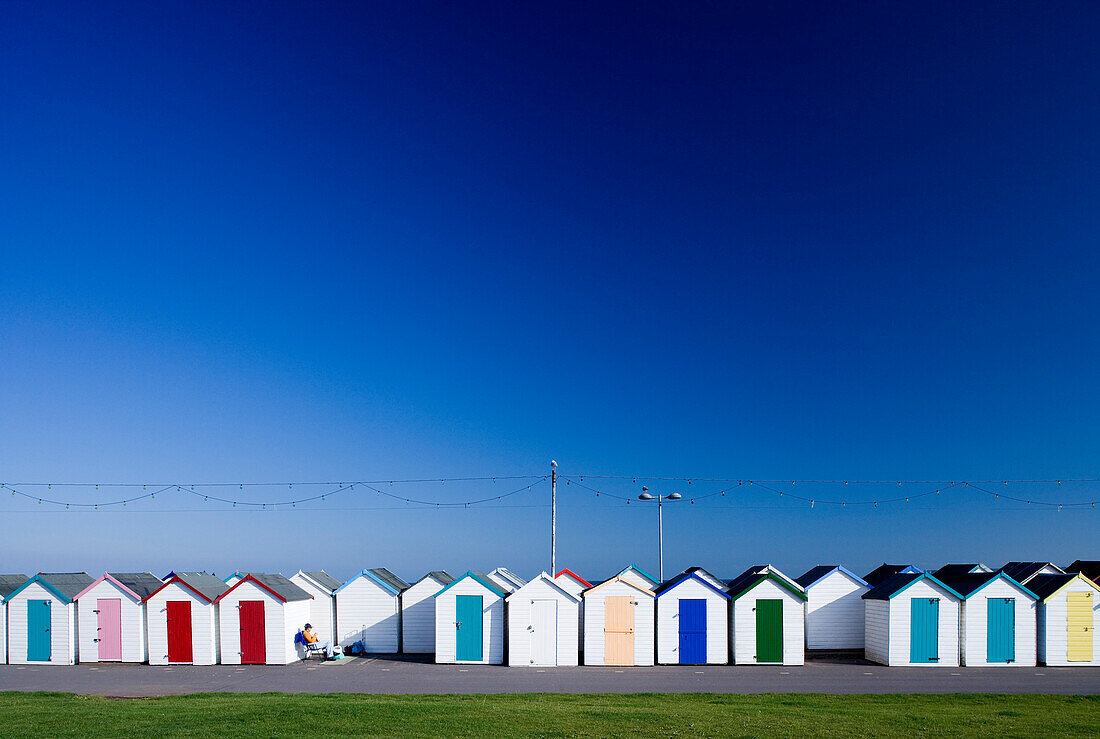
(399, 674)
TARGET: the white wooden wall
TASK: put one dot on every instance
(743, 624)
(519, 618)
(876, 631)
(900, 621)
(366, 611)
(133, 623)
(572, 586)
(3, 633)
(502, 582)
(281, 622)
(594, 622)
(834, 613)
(492, 623)
(1052, 644)
(668, 623)
(204, 639)
(322, 609)
(62, 628)
(418, 617)
(974, 626)
(634, 577)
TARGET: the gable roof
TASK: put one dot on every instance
(951, 571)
(757, 574)
(544, 577)
(510, 576)
(1088, 568)
(276, 584)
(238, 574)
(480, 577)
(693, 574)
(1046, 587)
(815, 574)
(321, 579)
(575, 576)
(440, 576)
(970, 583)
(374, 578)
(390, 579)
(876, 576)
(1023, 571)
(895, 584)
(9, 584)
(65, 585)
(207, 587)
(707, 575)
(624, 581)
(640, 571)
(138, 584)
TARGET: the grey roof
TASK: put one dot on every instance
(284, 587)
(1020, 571)
(950, 572)
(390, 579)
(508, 574)
(439, 575)
(323, 579)
(1088, 568)
(814, 574)
(9, 583)
(143, 584)
(68, 584)
(208, 585)
(1045, 586)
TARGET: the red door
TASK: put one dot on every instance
(253, 646)
(179, 631)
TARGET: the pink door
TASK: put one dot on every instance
(110, 628)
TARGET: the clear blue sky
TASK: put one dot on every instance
(275, 242)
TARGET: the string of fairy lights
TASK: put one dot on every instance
(607, 488)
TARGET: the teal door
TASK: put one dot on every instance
(1000, 634)
(924, 630)
(38, 631)
(468, 628)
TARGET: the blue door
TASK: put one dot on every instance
(1000, 633)
(38, 631)
(924, 630)
(468, 628)
(693, 631)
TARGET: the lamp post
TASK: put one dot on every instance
(660, 526)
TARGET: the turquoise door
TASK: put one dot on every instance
(924, 630)
(468, 628)
(38, 631)
(1000, 634)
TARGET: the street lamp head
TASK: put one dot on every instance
(645, 496)
(553, 463)
(673, 496)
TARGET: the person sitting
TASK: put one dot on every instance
(311, 638)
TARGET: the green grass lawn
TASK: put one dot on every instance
(271, 714)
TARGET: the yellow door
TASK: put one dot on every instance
(618, 630)
(1079, 623)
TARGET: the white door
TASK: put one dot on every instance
(544, 632)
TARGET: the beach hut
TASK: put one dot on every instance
(1022, 572)
(638, 576)
(368, 611)
(322, 609)
(834, 607)
(576, 585)
(111, 617)
(767, 618)
(469, 621)
(692, 619)
(951, 571)
(997, 621)
(542, 624)
(506, 580)
(42, 619)
(912, 619)
(1088, 568)
(233, 579)
(875, 577)
(418, 612)
(258, 619)
(1069, 614)
(619, 624)
(8, 584)
(182, 619)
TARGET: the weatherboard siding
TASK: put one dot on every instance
(900, 616)
(668, 622)
(3, 633)
(743, 624)
(492, 623)
(367, 612)
(281, 622)
(418, 617)
(876, 631)
(594, 623)
(834, 613)
(638, 579)
(322, 609)
(204, 639)
(62, 628)
(133, 623)
(1053, 649)
(974, 624)
(572, 586)
(519, 618)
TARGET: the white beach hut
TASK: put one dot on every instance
(111, 617)
(258, 619)
(635, 574)
(506, 580)
(997, 621)
(693, 619)
(182, 619)
(767, 618)
(469, 621)
(542, 624)
(1069, 614)
(42, 619)
(834, 607)
(322, 609)
(8, 584)
(618, 623)
(368, 611)
(418, 612)
(576, 585)
(912, 619)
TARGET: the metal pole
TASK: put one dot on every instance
(660, 541)
(553, 518)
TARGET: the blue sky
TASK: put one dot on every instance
(289, 242)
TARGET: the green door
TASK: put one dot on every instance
(1000, 634)
(38, 631)
(924, 630)
(468, 628)
(769, 630)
